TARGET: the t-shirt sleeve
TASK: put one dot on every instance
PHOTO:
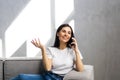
(49, 54)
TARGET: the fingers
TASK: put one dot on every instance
(36, 42)
(74, 43)
(73, 39)
(33, 42)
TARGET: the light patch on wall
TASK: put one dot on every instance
(72, 25)
(63, 9)
(32, 22)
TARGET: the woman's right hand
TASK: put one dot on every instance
(47, 62)
(37, 43)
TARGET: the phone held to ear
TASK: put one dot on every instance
(71, 40)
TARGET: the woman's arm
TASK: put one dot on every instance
(78, 61)
(47, 61)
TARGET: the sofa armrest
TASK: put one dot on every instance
(1, 69)
(15, 66)
(87, 74)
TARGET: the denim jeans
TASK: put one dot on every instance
(44, 76)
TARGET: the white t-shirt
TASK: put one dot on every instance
(62, 60)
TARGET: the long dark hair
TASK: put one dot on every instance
(57, 41)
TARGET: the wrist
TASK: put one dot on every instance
(42, 48)
(77, 50)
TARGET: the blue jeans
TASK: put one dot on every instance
(28, 77)
(44, 76)
(51, 76)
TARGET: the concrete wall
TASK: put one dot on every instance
(97, 30)
(97, 27)
(9, 10)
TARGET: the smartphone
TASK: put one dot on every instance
(70, 41)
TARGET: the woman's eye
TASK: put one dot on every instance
(63, 31)
(69, 32)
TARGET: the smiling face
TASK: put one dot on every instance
(64, 34)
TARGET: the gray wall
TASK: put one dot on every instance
(9, 10)
(97, 27)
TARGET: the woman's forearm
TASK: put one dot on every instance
(78, 62)
(46, 61)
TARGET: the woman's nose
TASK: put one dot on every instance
(66, 34)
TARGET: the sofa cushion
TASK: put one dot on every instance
(87, 74)
(16, 66)
(1, 70)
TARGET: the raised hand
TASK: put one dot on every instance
(37, 43)
(74, 44)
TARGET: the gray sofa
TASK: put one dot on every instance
(13, 66)
(1, 70)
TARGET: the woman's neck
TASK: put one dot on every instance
(62, 46)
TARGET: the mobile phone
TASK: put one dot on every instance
(70, 42)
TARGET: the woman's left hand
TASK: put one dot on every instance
(74, 44)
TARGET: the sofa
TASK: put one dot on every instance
(11, 67)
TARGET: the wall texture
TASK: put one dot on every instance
(9, 10)
(97, 27)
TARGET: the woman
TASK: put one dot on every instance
(63, 57)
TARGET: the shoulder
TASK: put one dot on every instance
(51, 49)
